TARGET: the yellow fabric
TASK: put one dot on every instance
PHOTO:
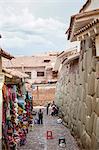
(20, 110)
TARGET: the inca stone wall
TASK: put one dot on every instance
(77, 95)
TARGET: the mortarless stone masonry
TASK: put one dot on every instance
(77, 94)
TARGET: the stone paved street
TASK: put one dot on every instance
(36, 139)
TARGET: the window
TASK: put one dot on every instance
(47, 60)
(54, 74)
(28, 73)
(40, 74)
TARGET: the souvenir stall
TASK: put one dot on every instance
(3, 54)
(10, 115)
(13, 128)
(29, 108)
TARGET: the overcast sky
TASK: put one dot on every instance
(34, 26)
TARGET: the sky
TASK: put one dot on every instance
(36, 26)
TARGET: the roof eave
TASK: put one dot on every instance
(5, 54)
(68, 32)
(85, 6)
(75, 19)
(72, 59)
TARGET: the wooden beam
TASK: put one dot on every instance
(95, 30)
(5, 54)
(7, 75)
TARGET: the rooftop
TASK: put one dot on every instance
(5, 54)
(15, 73)
(30, 61)
(85, 5)
(82, 21)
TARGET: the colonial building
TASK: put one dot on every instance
(79, 96)
(42, 78)
(38, 67)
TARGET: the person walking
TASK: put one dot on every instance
(47, 108)
(40, 116)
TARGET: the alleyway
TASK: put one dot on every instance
(36, 139)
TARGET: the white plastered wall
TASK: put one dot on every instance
(97, 45)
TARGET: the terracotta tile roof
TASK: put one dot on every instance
(63, 57)
(15, 73)
(70, 26)
(87, 14)
(71, 58)
(30, 61)
(60, 53)
(94, 22)
(68, 52)
(78, 16)
(85, 5)
(5, 54)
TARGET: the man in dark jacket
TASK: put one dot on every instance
(47, 108)
(40, 116)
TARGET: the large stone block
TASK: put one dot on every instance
(79, 127)
(80, 72)
(86, 89)
(75, 129)
(69, 123)
(66, 118)
(97, 106)
(89, 60)
(82, 129)
(83, 113)
(74, 122)
(94, 103)
(89, 104)
(93, 141)
(97, 69)
(85, 76)
(80, 92)
(91, 121)
(76, 90)
(97, 128)
(83, 138)
(77, 78)
(89, 124)
(84, 62)
(83, 95)
(75, 110)
(82, 78)
(91, 84)
(97, 88)
(86, 140)
(93, 64)
(97, 144)
(95, 123)
(79, 111)
(80, 67)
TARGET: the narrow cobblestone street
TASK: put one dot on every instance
(36, 139)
